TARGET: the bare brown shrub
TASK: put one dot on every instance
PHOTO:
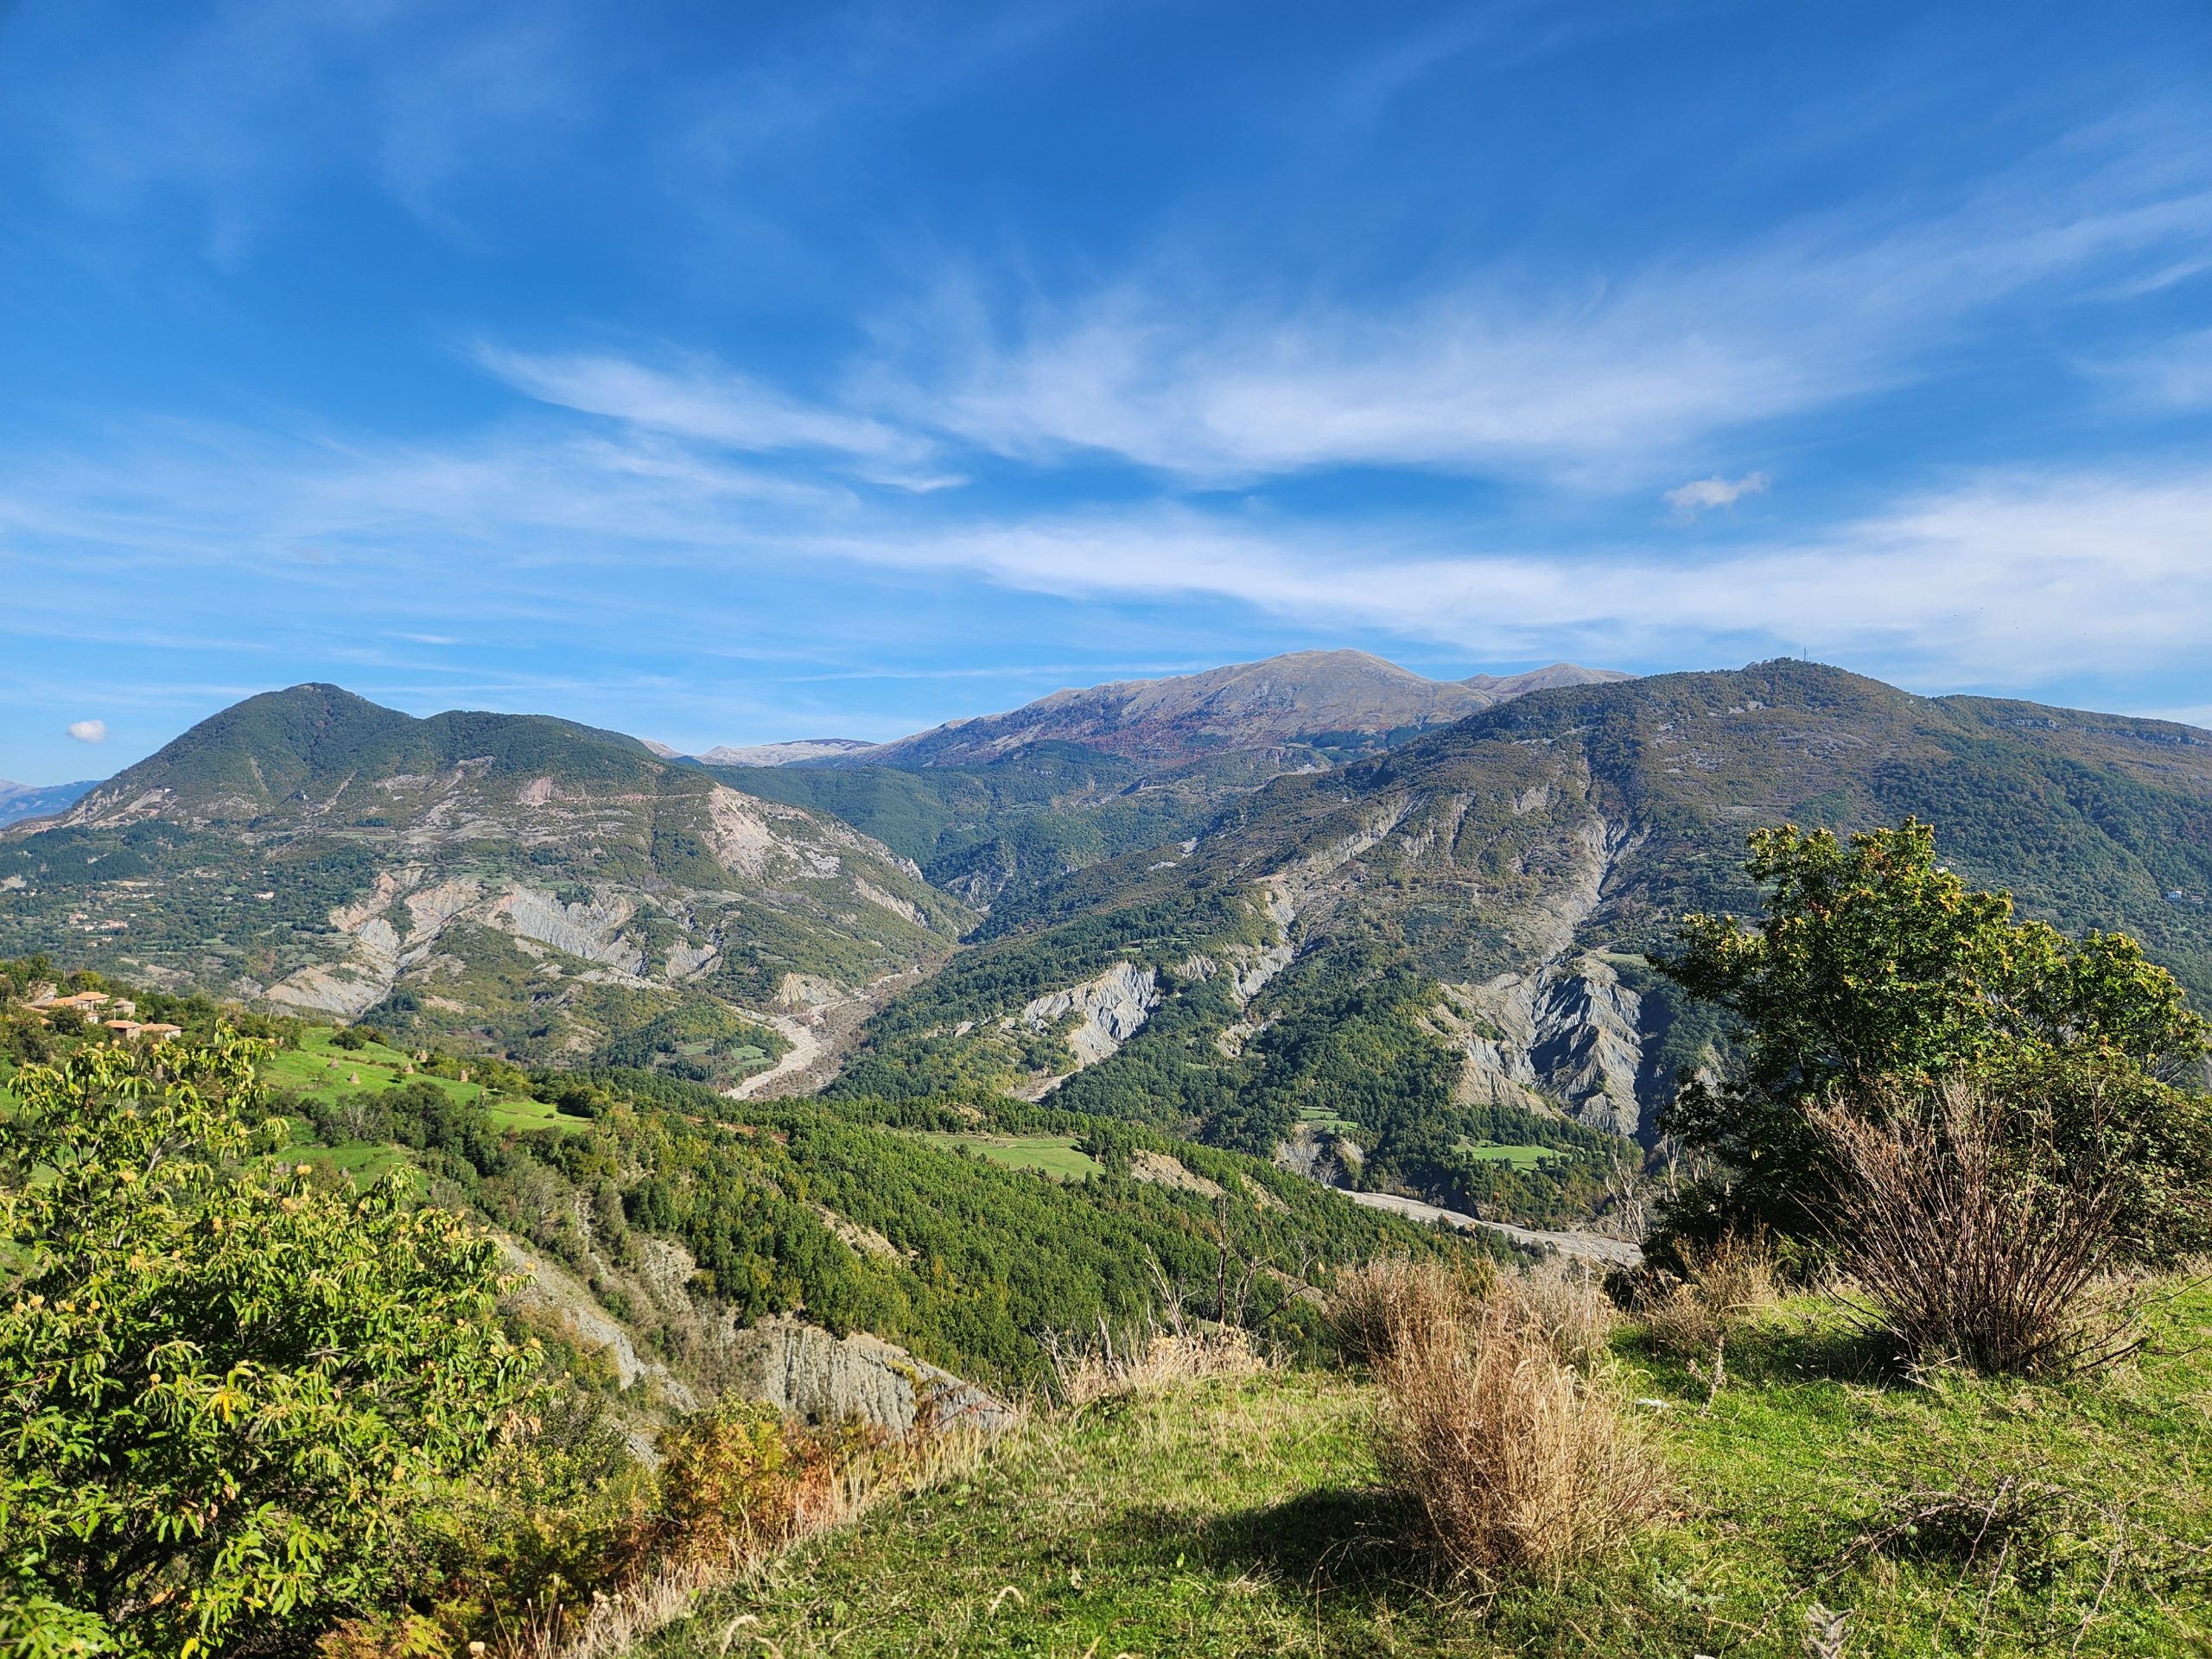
(1974, 1241)
(1521, 1462)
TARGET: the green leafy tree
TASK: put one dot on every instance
(225, 1389)
(1876, 965)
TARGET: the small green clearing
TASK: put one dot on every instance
(319, 1070)
(1521, 1157)
(1049, 1155)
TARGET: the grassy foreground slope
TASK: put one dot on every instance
(1246, 1518)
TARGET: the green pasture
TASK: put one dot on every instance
(1049, 1155)
(1520, 1157)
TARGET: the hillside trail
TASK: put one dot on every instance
(1590, 1247)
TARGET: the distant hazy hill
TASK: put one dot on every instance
(21, 801)
(1314, 697)
(545, 884)
(1456, 925)
(794, 753)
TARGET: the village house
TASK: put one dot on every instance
(83, 1004)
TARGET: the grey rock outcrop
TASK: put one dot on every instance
(803, 1371)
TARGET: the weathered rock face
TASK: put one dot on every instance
(803, 1371)
(799, 1368)
(1112, 1008)
(559, 1295)
(1569, 1033)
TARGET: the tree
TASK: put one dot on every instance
(226, 1388)
(1877, 972)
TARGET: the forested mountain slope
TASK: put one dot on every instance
(1433, 944)
(662, 1221)
(998, 805)
(544, 885)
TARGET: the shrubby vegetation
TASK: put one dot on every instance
(233, 1387)
(1876, 977)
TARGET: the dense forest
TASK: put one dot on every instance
(858, 1214)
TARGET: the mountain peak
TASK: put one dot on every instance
(794, 753)
(322, 742)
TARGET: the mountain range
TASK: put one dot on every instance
(1318, 906)
(21, 801)
(1315, 698)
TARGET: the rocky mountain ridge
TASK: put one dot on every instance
(1307, 697)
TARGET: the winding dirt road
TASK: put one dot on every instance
(1612, 1252)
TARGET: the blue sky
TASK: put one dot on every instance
(729, 374)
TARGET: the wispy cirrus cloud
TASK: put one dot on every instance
(2012, 577)
(2175, 375)
(2007, 578)
(1508, 370)
(243, 108)
(702, 401)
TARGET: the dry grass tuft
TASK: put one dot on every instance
(1727, 1283)
(1973, 1240)
(1375, 1306)
(1140, 1365)
(1520, 1460)
(1566, 1302)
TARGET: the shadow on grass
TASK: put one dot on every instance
(1334, 1540)
(1785, 1349)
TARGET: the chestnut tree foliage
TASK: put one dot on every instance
(1876, 974)
(223, 1387)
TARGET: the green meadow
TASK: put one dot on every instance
(1049, 1155)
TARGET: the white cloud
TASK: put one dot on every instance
(1694, 496)
(1501, 370)
(701, 402)
(2009, 579)
(88, 731)
(2175, 375)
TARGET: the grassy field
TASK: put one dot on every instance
(318, 1070)
(1519, 1157)
(1245, 1518)
(1051, 1155)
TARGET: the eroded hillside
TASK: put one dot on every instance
(542, 885)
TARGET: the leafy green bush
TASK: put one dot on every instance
(232, 1386)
